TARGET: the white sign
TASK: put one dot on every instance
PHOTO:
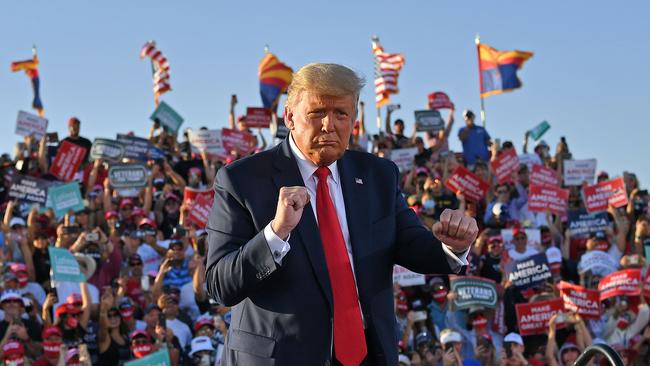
(404, 277)
(529, 160)
(206, 140)
(30, 124)
(598, 262)
(578, 171)
(403, 158)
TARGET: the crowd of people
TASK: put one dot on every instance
(144, 261)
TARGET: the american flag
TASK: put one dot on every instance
(387, 68)
(160, 69)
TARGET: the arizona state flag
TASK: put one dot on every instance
(275, 78)
(31, 69)
(498, 69)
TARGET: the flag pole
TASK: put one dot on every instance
(153, 77)
(379, 118)
(480, 77)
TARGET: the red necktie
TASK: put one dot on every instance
(349, 338)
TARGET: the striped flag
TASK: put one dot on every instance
(275, 78)
(31, 69)
(160, 69)
(387, 68)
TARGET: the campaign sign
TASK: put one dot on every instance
(543, 198)
(239, 141)
(539, 130)
(405, 277)
(530, 272)
(624, 282)
(257, 117)
(67, 161)
(578, 171)
(543, 176)
(440, 100)
(646, 286)
(110, 150)
(598, 262)
(28, 189)
(529, 160)
(599, 196)
(473, 291)
(208, 141)
(533, 317)
(167, 117)
(429, 120)
(581, 300)
(158, 358)
(468, 183)
(64, 197)
(64, 266)
(128, 175)
(30, 124)
(504, 165)
(192, 194)
(200, 210)
(404, 158)
(583, 224)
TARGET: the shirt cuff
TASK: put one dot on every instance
(279, 248)
(456, 261)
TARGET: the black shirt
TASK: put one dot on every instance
(490, 267)
(42, 265)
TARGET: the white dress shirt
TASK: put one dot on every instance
(280, 248)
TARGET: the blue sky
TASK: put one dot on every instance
(589, 77)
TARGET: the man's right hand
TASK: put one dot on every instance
(291, 202)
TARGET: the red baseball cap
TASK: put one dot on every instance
(137, 211)
(13, 348)
(18, 267)
(139, 333)
(51, 330)
(517, 230)
(67, 309)
(202, 322)
(74, 299)
(147, 221)
(126, 202)
(111, 214)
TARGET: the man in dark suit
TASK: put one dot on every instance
(303, 238)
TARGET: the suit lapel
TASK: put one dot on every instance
(288, 175)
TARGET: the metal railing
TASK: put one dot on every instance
(612, 356)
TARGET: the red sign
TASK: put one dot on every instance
(625, 282)
(238, 141)
(533, 317)
(258, 117)
(543, 198)
(466, 182)
(600, 195)
(440, 100)
(646, 286)
(67, 161)
(190, 195)
(581, 300)
(543, 176)
(200, 212)
(504, 165)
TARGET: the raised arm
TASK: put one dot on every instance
(231, 112)
(389, 130)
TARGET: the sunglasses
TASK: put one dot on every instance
(134, 264)
(520, 237)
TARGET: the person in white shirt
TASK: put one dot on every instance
(522, 249)
(169, 305)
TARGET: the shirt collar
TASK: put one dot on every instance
(307, 167)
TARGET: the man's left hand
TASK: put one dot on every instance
(456, 230)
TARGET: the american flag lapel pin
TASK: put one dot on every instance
(358, 180)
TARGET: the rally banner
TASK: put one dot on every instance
(158, 358)
(405, 278)
(30, 124)
(62, 198)
(543, 176)
(583, 224)
(28, 189)
(624, 282)
(64, 266)
(599, 196)
(138, 148)
(200, 211)
(578, 171)
(110, 150)
(530, 272)
(192, 194)
(646, 286)
(473, 291)
(597, 262)
(468, 183)
(67, 161)
(167, 117)
(237, 141)
(505, 165)
(538, 131)
(543, 198)
(257, 117)
(208, 141)
(128, 175)
(429, 120)
(533, 317)
(440, 100)
(581, 300)
(404, 158)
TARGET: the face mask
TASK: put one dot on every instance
(622, 323)
(141, 350)
(440, 296)
(479, 323)
(22, 281)
(71, 322)
(19, 361)
(51, 349)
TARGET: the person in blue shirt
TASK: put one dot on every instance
(475, 140)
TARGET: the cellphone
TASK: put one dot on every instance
(420, 316)
(162, 321)
(92, 237)
(508, 347)
(17, 320)
(561, 317)
(52, 137)
(200, 246)
(448, 346)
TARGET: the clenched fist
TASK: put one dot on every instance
(291, 202)
(455, 230)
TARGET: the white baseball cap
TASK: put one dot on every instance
(201, 343)
(17, 221)
(449, 335)
(514, 338)
(404, 359)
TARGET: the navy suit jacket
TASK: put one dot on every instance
(282, 315)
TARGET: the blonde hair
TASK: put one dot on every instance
(325, 79)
